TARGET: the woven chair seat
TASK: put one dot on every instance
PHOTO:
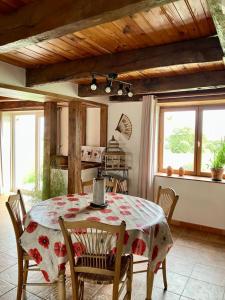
(104, 279)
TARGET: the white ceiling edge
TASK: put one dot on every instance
(13, 75)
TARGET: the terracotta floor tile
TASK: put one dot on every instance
(179, 265)
(200, 290)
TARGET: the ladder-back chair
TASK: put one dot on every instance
(167, 199)
(95, 255)
(16, 208)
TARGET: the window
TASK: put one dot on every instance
(188, 137)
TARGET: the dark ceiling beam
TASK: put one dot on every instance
(211, 94)
(196, 81)
(218, 14)
(20, 105)
(185, 52)
(47, 19)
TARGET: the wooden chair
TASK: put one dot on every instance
(17, 212)
(167, 199)
(110, 185)
(92, 259)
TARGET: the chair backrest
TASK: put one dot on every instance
(98, 246)
(17, 212)
(86, 186)
(167, 199)
(110, 185)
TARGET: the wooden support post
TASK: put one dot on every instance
(74, 150)
(50, 144)
(84, 124)
(103, 125)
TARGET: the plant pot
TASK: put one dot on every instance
(217, 174)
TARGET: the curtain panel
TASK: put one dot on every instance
(147, 160)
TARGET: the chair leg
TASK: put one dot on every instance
(81, 290)
(164, 274)
(129, 279)
(20, 279)
(61, 287)
(149, 283)
(25, 273)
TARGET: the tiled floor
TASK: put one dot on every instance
(196, 269)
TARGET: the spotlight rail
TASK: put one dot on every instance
(124, 87)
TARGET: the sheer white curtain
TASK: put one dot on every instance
(1, 168)
(147, 161)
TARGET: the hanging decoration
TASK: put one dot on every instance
(125, 126)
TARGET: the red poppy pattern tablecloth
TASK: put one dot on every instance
(147, 231)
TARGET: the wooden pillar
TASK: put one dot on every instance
(74, 149)
(50, 144)
(103, 125)
(84, 124)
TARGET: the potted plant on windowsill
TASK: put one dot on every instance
(218, 162)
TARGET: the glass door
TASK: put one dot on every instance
(24, 139)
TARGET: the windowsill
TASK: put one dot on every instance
(188, 177)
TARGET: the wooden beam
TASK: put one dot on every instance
(217, 9)
(196, 81)
(50, 145)
(20, 105)
(84, 124)
(185, 52)
(39, 21)
(30, 94)
(74, 151)
(103, 126)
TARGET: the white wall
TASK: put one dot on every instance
(199, 203)
(132, 146)
(10, 74)
(92, 129)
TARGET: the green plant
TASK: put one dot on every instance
(218, 160)
(58, 186)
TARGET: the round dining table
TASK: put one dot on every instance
(147, 231)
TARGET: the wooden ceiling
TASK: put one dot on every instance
(177, 21)
(181, 20)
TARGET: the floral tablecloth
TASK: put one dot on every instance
(147, 231)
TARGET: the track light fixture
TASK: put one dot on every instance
(129, 93)
(110, 79)
(120, 90)
(108, 87)
(94, 84)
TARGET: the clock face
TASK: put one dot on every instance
(124, 126)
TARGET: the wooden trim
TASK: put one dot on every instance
(103, 126)
(194, 51)
(50, 145)
(74, 151)
(198, 227)
(49, 19)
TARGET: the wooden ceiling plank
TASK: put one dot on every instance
(203, 80)
(197, 51)
(216, 9)
(50, 19)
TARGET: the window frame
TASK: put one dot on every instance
(198, 136)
